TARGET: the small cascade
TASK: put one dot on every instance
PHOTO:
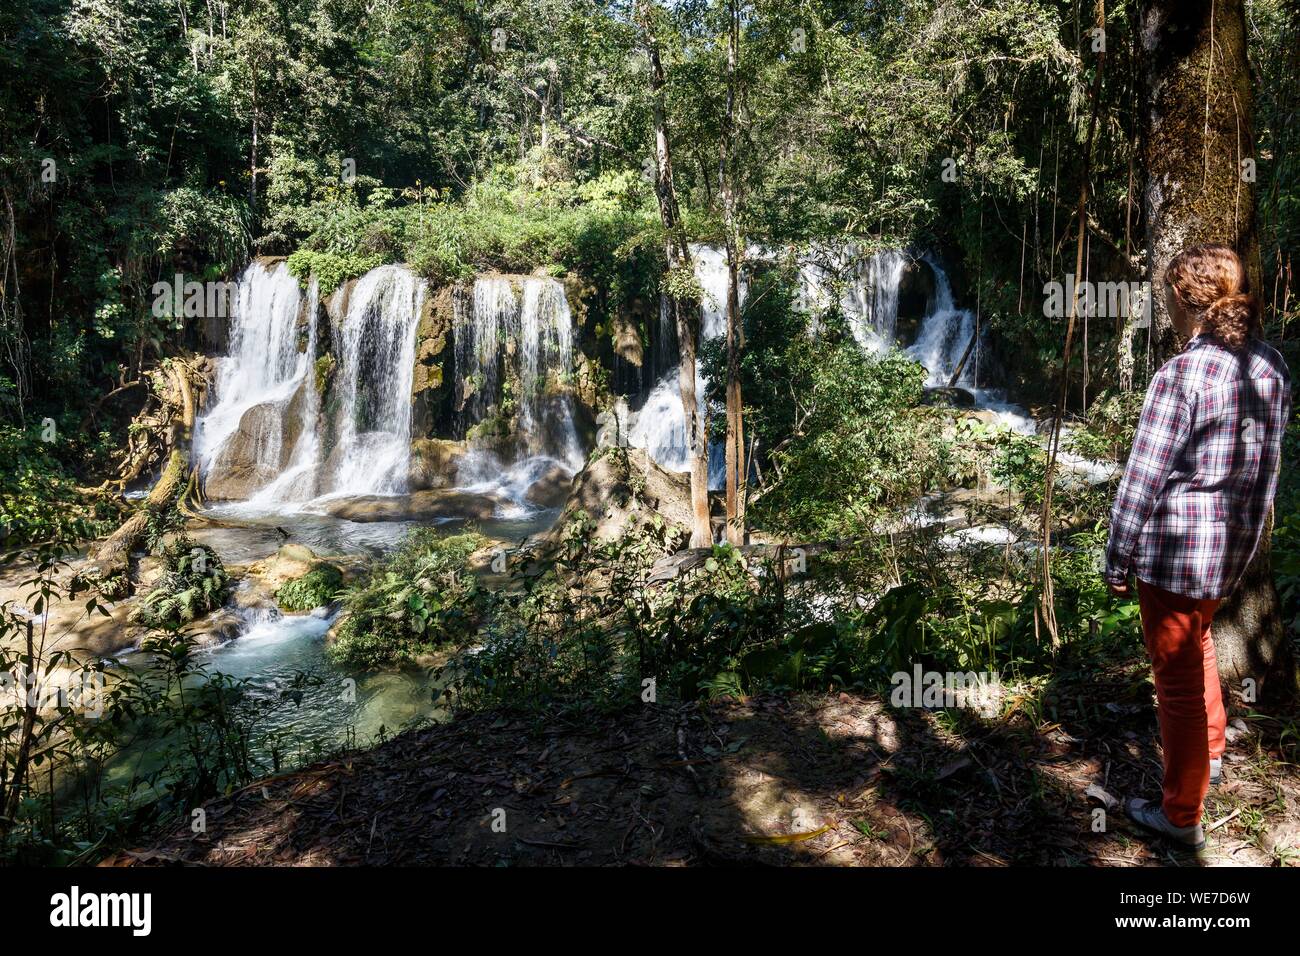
(546, 425)
(944, 336)
(664, 356)
(660, 424)
(875, 321)
(298, 481)
(865, 288)
(868, 296)
(517, 349)
(478, 339)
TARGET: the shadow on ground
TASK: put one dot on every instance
(838, 779)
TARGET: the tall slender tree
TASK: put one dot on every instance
(685, 307)
(735, 448)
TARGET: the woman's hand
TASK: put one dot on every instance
(1120, 590)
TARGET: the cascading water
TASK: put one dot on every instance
(546, 349)
(478, 335)
(864, 287)
(866, 290)
(268, 427)
(945, 335)
(299, 479)
(526, 341)
(256, 382)
(375, 340)
(660, 423)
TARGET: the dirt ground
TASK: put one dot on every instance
(826, 780)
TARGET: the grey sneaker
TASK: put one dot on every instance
(1216, 771)
(1147, 813)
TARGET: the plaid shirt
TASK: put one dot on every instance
(1203, 471)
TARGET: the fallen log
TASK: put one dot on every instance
(112, 557)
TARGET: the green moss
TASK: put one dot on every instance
(325, 366)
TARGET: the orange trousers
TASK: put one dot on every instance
(1189, 698)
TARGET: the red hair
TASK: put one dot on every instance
(1210, 282)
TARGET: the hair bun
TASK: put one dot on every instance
(1230, 318)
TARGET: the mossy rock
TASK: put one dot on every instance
(432, 337)
(316, 588)
(325, 366)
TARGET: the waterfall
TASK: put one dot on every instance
(261, 374)
(520, 350)
(478, 333)
(375, 341)
(660, 424)
(868, 294)
(944, 334)
(875, 321)
(299, 480)
(665, 340)
(865, 288)
(265, 439)
(866, 291)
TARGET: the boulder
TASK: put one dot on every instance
(606, 490)
(956, 396)
(434, 462)
(258, 450)
(551, 490)
(290, 562)
(426, 505)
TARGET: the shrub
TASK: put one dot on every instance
(424, 596)
(314, 589)
(194, 583)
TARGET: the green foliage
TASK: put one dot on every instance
(194, 582)
(423, 597)
(861, 442)
(39, 502)
(314, 589)
(324, 372)
(91, 758)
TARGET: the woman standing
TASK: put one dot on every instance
(1189, 512)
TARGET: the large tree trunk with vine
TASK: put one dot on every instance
(1197, 134)
(112, 558)
(678, 257)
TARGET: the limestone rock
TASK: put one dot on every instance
(552, 489)
(418, 506)
(259, 449)
(434, 462)
(612, 496)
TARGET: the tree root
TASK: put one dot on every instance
(176, 487)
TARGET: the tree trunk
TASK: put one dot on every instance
(113, 556)
(678, 256)
(1197, 130)
(252, 156)
(735, 449)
